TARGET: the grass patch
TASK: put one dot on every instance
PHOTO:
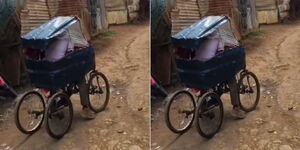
(254, 35)
(108, 34)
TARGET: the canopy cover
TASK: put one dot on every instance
(42, 36)
(191, 37)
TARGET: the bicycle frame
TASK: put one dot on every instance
(156, 89)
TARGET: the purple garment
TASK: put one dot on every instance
(57, 50)
(208, 48)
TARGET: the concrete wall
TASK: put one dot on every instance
(122, 11)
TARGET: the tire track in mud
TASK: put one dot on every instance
(278, 46)
(128, 47)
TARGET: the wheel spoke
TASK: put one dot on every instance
(59, 115)
(209, 114)
(99, 94)
(28, 115)
(180, 111)
(249, 91)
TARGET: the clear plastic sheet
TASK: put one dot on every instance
(227, 36)
(76, 36)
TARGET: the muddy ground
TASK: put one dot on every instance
(273, 55)
(122, 54)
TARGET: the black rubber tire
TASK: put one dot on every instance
(20, 100)
(101, 75)
(51, 102)
(245, 74)
(170, 100)
(199, 109)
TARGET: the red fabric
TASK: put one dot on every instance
(2, 82)
(44, 91)
(33, 54)
(153, 82)
(195, 91)
(183, 53)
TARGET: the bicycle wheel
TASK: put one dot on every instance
(209, 114)
(29, 112)
(249, 90)
(59, 115)
(180, 110)
(98, 91)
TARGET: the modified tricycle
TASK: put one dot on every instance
(57, 80)
(211, 78)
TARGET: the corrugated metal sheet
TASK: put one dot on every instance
(218, 7)
(34, 14)
(37, 12)
(185, 13)
(69, 7)
(223, 7)
(188, 12)
(73, 8)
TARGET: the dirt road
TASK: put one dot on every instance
(123, 56)
(275, 125)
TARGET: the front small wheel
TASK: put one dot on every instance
(179, 111)
(209, 114)
(59, 115)
(98, 91)
(249, 91)
(29, 112)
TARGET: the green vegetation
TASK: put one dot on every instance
(108, 34)
(254, 35)
(135, 22)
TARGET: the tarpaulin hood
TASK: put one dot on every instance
(40, 37)
(190, 37)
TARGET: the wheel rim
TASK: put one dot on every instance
(31, 112)
(210, 115)
(248, 91)
(181, 111)
(59, 115)
(98, 91)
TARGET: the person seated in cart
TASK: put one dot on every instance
(56, 51)
(209, 47)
